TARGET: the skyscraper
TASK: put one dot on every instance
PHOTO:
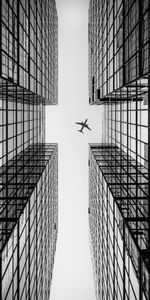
(119, 211)
(28, 166)
(29, 46)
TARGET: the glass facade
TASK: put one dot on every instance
(28, 166)
(29, 46)
(119, 224)
(118, 48)
(119, 180)
(29, 220)
(22, 120)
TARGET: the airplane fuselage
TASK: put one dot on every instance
(83, 125)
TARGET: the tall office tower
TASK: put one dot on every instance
(28, 166)
(29, 46)
(119, 180)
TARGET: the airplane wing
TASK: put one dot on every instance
(88, 127)
(78, 123)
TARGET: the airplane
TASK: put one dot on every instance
(84, 125)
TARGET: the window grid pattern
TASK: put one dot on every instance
(127, 125)
(119, 78)
(28, 166)
(118, 225)
(22, 120)
(29, 47)
(118, 46)
(29, 224)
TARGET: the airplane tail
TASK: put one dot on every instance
(80, 131)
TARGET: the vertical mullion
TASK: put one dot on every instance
(16, 144)
(124, 263)
(141, 38)
(149, 135)
(18, 40)
(128, 161)
(1, 277)
(18, 262)
(1, 38)
(149, 127)
(124, 69)
(36, 248)
(29, 56)
(29, 249)
(7, 156)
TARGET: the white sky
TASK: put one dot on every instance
(73, 274)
